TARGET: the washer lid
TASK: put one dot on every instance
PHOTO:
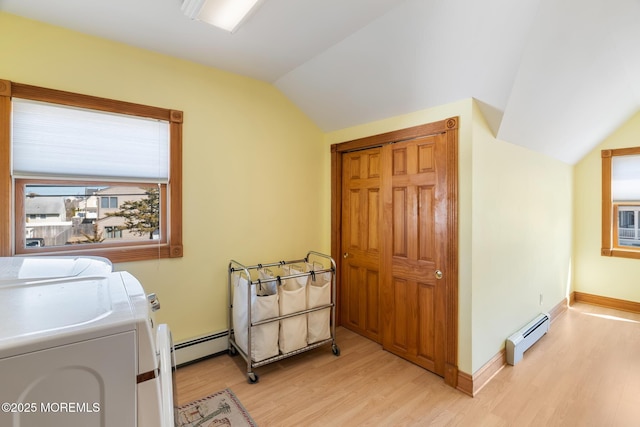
(49, 267)
(41, 313)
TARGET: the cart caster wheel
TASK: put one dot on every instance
(336, 350)
(252, 378)
(233, 351)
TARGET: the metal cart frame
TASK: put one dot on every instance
(234, 348)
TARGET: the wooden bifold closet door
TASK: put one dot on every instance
(412, 291)
(397, 242)
(361, 242)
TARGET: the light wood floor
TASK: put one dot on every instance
(584, 372)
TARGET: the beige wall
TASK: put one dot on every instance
(253, 163)
(594, 274)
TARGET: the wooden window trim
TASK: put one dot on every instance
(609, 210)
(171, 248)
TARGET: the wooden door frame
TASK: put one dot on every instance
(449, 127)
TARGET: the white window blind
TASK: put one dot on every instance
(58, 141)
(625, 178)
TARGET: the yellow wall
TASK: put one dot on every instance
(521, 238)
(253, 163)
(594, 274)
(257, 188)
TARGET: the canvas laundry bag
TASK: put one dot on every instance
(264, 305)
(269, 285)
(318, 294)
(292, 298)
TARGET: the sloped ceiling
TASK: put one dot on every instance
(556, 76)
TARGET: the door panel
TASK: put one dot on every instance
(361, 205)
(426, 315)
(399, 338)
(413, 315)
(400, 222)
(426, 231)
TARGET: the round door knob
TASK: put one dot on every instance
(439, 274)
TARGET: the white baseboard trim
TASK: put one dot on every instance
(199, 348)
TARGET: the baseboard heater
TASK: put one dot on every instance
(200, 348)
(522, 340)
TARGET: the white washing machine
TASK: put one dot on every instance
(12, 268)
(83, 351)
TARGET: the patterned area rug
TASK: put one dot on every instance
(220, 409)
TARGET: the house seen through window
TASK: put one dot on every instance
(58, 215)
(628, 231)
(621, 202)
(89, 176)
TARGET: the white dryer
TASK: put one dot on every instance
(81, 352)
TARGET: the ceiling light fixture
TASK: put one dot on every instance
(225, 14)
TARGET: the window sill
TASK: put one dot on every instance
(116, 254)
(621, 253)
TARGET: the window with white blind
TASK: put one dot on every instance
(89, 175)
(621, 202)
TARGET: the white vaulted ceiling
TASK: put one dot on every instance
(556, 76)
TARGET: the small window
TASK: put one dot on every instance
(108, 202)
(88, 174)
(621, 202)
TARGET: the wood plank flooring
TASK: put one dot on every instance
(584, 372)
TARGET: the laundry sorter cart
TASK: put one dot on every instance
(281, 309)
